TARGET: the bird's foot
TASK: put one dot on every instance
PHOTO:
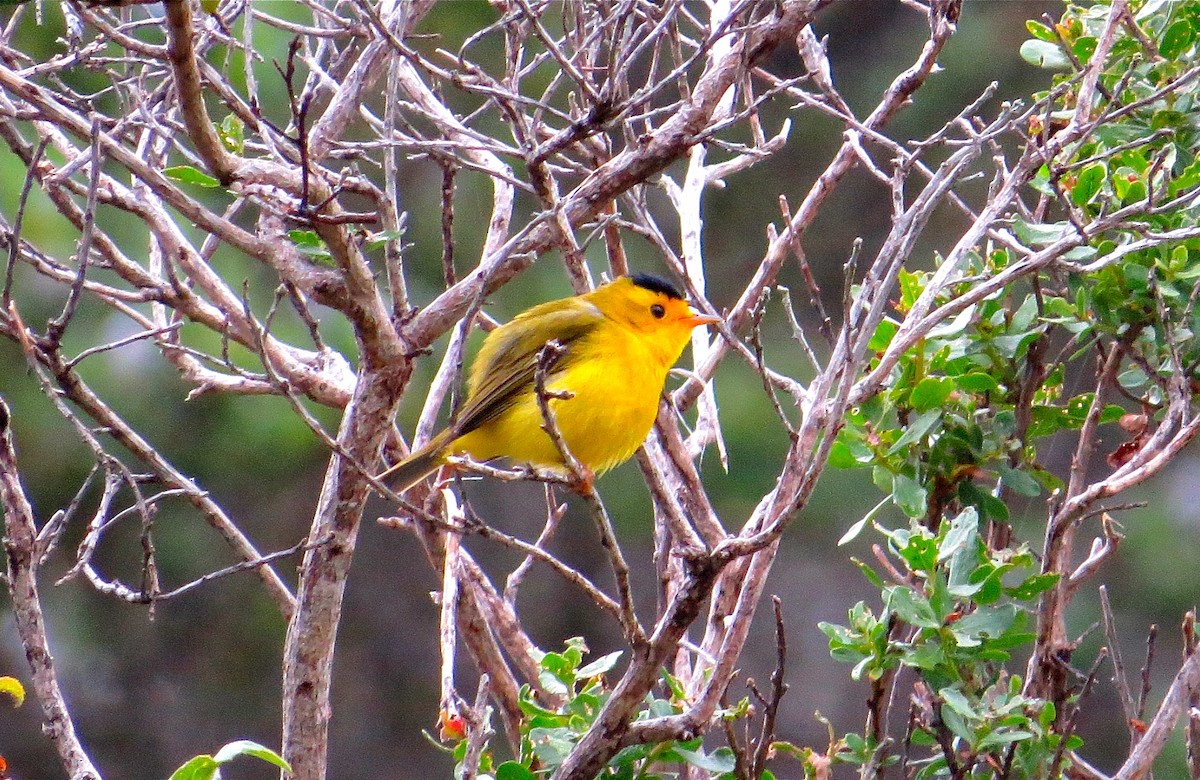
(583, 481)
(446, 474)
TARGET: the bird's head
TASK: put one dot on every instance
(652, 307)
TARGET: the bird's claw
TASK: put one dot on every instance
(583, 481)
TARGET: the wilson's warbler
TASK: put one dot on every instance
(619, 341)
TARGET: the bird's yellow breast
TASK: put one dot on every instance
(616, 381)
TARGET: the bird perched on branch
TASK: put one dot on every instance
(615, 346)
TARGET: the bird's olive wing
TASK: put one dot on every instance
(506, 366)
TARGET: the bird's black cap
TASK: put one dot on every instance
(656, 284)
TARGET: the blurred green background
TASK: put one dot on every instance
(151, 691)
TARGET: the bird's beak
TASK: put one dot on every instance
(696, 320)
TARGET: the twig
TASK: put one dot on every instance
(583, 478)
(1128, 706)
(779, 687)
(20, 543)
(1151, 635)
(448, 599)
(1182, 689)
(1192, 731)
(479, 729)
(14, 234)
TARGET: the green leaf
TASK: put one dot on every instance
(1090, 180)
(1041, 31)
(1019, 482)
(985, 622)
(998, 739)
(205, 767)
(957, 724)
(1188, 178)
(955, 700)
(909, 495)
(977, 382)
(931, 392)
(868, 572)
(511, 770)
(954, 327)
(911, 607)
(551, 746)
(1176, 39)
(1034, 586)
(232, 131)
(856, 529)
(599, 666)
(1038, 235)
(925, 656)
(309, 244)
(840, 456)
(1047, 715)
(198, 768)
(882, 336)
(1044, 54)
(962, 534)
(1084, 48)
(189, 175)
(244, 747)
(916, 430)
(719, 761)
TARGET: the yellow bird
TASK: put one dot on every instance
(619, 341)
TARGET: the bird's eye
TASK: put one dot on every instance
(658, 311)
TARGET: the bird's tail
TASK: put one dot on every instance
(408, 472)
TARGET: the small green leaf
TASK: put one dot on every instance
(957, 724)
(1047, 715)
(882, 336)
(840, 456)
(985, 622)
(1033, 586)
(925, 656)
(999, 739)
(1176, 39)
(198, 768)
(931, 392)
(916, 430)
(909, 495)
(955, 700)
(551, 745)
(511, 770)
(304, 237)
(856, 529)
(868, 572)
(963, 533)
(189, 175)
(232, 131)
(1040, 31)
(308, 243)
(719, 761)
(599, 666)
(977, 382)
(1044, 54)
(911, 607)
(1019, 482)
(1189, 178)
(1090, 180)
(1039, 235)
(244, 747)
